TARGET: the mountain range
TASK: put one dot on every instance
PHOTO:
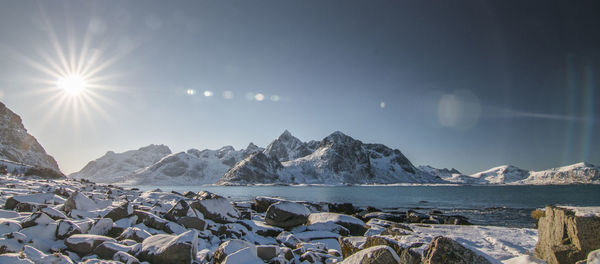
(336, 159)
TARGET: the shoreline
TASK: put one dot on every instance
(56, 219)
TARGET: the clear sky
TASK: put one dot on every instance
(463, 84)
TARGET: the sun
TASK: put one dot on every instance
(72, 85)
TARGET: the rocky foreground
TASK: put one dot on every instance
(67, 221)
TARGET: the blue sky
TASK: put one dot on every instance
(469, 85)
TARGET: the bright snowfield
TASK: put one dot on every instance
(335, 160)
(51, 229)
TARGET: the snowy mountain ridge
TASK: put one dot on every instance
(334, 160)
(579, 173)
(114, 167)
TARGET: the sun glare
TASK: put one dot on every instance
(73, 85)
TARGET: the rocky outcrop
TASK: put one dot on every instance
(18, 145)
(565, 237)
(445, 250)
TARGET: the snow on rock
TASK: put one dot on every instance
(115, 167)
(353, 224)
(170, 248)
(583, 211)
(134, 233)
(524, 259)
(286, 214)
(101, 227)
(594, 257)
(38, 198)
(246, 256)
(14, 258)
(9, 226)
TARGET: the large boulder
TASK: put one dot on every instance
(286, 214)
(354, 225)
(565, 237)
(216, 208)
(374, 255)
(229, 247)
(169, 248)
(66, 228)
(445, 250)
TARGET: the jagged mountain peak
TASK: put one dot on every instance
(287, 147)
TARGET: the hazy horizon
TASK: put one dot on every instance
(469, 85)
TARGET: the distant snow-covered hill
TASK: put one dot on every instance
(192, 167)
(580, 173)
(115, 167)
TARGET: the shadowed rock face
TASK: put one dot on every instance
(257, 168)
(18, 145)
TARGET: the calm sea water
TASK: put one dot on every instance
(493, 205)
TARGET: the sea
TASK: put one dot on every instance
(509, 206)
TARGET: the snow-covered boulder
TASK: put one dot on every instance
(594, 257)
(83, 244)
(216, 208)
(247, 256)
(445, 250)
(228, 247)
(192, 222)
(36, 219)
(169, 248)
(354, 225)
(374, 255)
(107, 249)
(286, 214)
(101, 227)
(38, 198)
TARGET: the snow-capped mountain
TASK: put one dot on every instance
(580, 173)
(19, 146)
(192, 167)
(287, 147)
(338, 159)
(115, 167)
